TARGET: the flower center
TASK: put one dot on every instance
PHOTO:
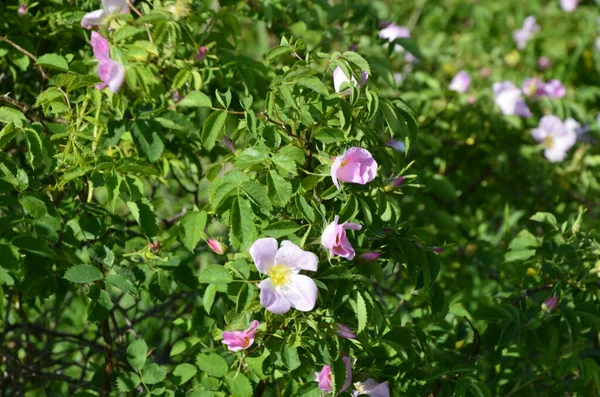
(279, 274)
(548, 142)
(246, 342)
(360, 388)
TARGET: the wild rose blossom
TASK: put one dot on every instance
(356, 165)
(111, 72)
(334, 238)
(344, 331)
(324, 377)
(523, 35)
(240, 340)
(372, 388)
(554, 89)
(392, 32)
(284, 288)
(533, 87)
(543, 63)
(556, 138)
(22, 9)
(98, 17)
(568, 5)
(201, 53)
(339, 78)
(508, 98)
(461, 82)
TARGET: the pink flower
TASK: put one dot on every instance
(344, 331)
(555, 136)
(568, 5)
(550, 304)
(371, 256)
(554, 89)
(22, 9)
(356, 165)
(472, 99)
(111, 72)
(228, 143)
(485, 73)
(372, 388)
(240, 340)
(284, 288)
(334, 238)
(533, 87)
(324, 377)
(216, 246)
(508, 98)
(339, 78)
(461, 82)
(110, 8)
(392, 32)
(543, 63)
(523, 35)
(201, 53)
(398, 145)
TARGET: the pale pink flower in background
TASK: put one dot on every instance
(284, 288)
(461, 82)
(110, 7)
(392, 32)
(579, 130)
(216, 246)
(111, 72)
(372, 388)
(543, 63)
(555, 136)
(568, 5)
(335, 239)
(597, 44)
(324, 377)
(344, 331)
(509, 99)
(485, 73)
(533, 87)
(523, 35)
(554, 89)
(373, 256)
(472, 99)
(22, 9)
(550, 304)
(398, 145)
(240, 340)
(339, 78)
(356, 165)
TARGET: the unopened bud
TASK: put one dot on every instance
(550, 304)
(216, 246)
(543, 63)
(344, 331)
(370, 256)
(437, 250)
(22, 9)
(201, 53)
(154, 246)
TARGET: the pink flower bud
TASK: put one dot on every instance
(543, 63)
(472, 99)
(399, 181)
(437, 250)
(550, 304)
(22, 9)
(201, 53)
(216, 246)
(228, 143)
(370, 256)
(344, 331)
(154, 246)
(176, 96)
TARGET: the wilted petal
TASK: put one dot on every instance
(293, 256)
(263, 253)
(301, 292)
(271, 300)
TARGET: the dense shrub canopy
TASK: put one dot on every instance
(299, 198)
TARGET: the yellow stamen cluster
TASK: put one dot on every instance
(279, 274)
(548, 142)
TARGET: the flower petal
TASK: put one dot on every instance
(301, 292)
(93, 18)
(329, 237)
(271, 300)
(115, 6)
(339, 78)
(117, 76)
(263, 253)
(293, 256)
(337, 162)
(100, 47)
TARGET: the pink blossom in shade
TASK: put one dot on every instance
(461, 82)
(22, 9)
(398, 181)
(554, 89)
(472, 99)
(98, 17)
(398, 145)
(543, 63)
(509, 99)
(555, 136)
(523, 35)
(344, 331)
(324, 377)
(201, 54)
(111, 72)
(284, 288)
(240, 340)
(568, 5)
(550, 304)
(372, 388)
(356, 165)
(533, 87)
(216, 246)
(370, 257)
(485, 73)
(335, 239)
(438, 250)
(228, 143)
(392, 32)
(339, 78)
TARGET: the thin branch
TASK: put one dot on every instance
(24, 51)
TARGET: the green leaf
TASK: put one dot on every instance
(35, 147)
(136, 353)
(338, 374)
(146, 136)
(312, 83)
(545, 217)
(280, 229)
(242, 232)
(182, 345)
(33, 206)
(71, 82)
(183, 373)
(53, 61)
(258, 195)
(5, 278)
(120, 282)
(7, 134)
(11, 115)
(195, 99)
(143, 213)
(50, 95)
(250, 157)
(277, 52)
(209, 297)
(112, 180)
(492, 313)
(280, 190)
(212, 364)
(361, 312)
(330, 135)
(83, 274)
(191, 229)
(127, 381)
(154, 373)
(239, 385)
(215, 274)
(357, 60)
(213, 126)
(305, 209)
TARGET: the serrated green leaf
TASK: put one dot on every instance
(33, 206)
(195, 99)
(154, 373)
(214, 274)
(191, 229)
(238, 384)
(182, 345)
(11, 115)
(146, 136)
(312, 83)
(127, 381)
(242, 232)
(53, 61)
(120, 282)
(82, 274)
(112, 180)
(183, 373)
(209, 297)
(212, 364)
(280, 229)
(280, 190)
(143, 213)
(361, 312)
(136, 353)
(214, 125)
(50, 95)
